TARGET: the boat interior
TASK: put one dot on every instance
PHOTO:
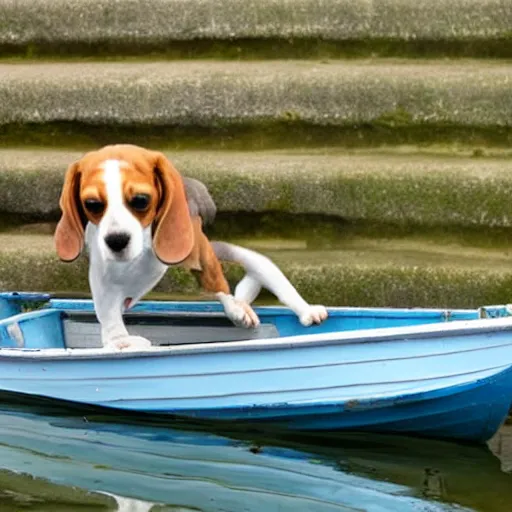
(72, 323)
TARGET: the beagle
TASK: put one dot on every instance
(137, 216)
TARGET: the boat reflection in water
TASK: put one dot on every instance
(55, 458)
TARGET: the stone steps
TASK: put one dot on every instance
(269, 28)
(362, 271)
(401, 189)
(366, 221)
(341, 102)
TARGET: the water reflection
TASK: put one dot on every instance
(57, 459)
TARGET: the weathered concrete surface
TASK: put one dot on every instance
(501, 446)
(426, 190)
(16, 487)
(24, 21)
(364, 273)
(217, 94)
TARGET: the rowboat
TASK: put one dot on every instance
(427, 372)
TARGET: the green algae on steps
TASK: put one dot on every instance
(257, 27)
(329, 284)
(261, 49)
(279, 230)
(364, 273)
(390, 129)
(260, 104)
(404, 191)
(20, 491)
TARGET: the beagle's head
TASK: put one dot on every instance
(129, 193)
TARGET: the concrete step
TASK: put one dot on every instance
(256, 103)
(364, 272)
(256, 27)
(17, 486)
(373, 187)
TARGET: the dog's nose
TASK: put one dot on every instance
(117, 241)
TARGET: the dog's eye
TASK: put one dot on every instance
(139, 202)
(94, 206)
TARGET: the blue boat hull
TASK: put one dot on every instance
(471, 413)
(429, 373)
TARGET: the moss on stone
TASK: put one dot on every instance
(323, 197)
(361, 275)
(262, 48)
(255, 104)
(390, 129)
(396, 118)
(282, 200)
(51, 496)
(401, 287)
(327, 232)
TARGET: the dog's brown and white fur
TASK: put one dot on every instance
(130, 207)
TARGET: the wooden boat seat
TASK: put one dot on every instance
(83, 331)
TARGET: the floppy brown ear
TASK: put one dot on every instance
(173, 237)
(69, 235)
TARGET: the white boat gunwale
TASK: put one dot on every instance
(382, 334)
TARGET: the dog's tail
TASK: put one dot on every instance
(260, 272)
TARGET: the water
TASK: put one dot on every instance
(58, 459)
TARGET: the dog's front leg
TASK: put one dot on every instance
(109, 304)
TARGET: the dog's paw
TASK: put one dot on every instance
(313, 315)
(239, 311)
(128, 343)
